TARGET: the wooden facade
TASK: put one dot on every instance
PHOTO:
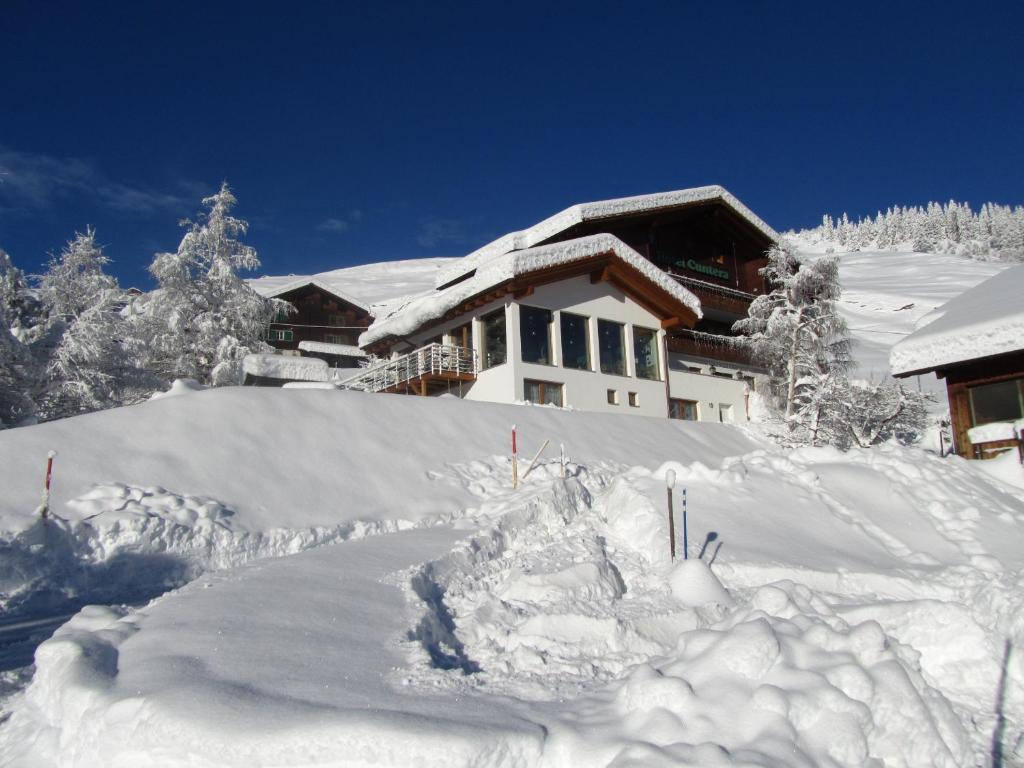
(319, 316)
(961, 379)
(707, 246)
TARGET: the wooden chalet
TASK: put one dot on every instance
(326, 322)
(976, 344)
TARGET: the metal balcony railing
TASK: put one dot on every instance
(439, 361)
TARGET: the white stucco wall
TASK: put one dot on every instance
(718, 398)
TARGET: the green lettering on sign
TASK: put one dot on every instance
(704, 269)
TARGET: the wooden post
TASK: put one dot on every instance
(515, 460)
(670, 481)
(686, 535)
(44, 508)
(532, 463)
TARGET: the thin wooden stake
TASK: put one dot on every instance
(670, 482)
(534, 462)
(515, 460)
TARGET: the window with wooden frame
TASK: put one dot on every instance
(462, 336)
(613, 397)
(1000, 401)
(543, 392)
(336, 321)
(634, 401)
(335, 338)
(683, 409)
(280, 334)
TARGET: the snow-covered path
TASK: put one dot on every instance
(283, 662)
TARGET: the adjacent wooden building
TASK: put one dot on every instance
(975, 342)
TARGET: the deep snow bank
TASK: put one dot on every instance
(298, 458)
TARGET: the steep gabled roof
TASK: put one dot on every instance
(983, 321)
(577, 214)
(503, 268)
(277, 291)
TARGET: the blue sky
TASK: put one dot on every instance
(356, 132)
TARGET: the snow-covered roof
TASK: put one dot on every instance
(288, 367)
(576, 214)
(326, 348)
(985, 320)
(273, 287)
(502, 267)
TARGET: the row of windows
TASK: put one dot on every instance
(553, 393)
(535, 327)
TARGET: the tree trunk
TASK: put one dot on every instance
(793, 348)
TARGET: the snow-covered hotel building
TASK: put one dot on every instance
(620, 306)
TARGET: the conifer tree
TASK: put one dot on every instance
(204, 318)
(16, 368)
(797, 333)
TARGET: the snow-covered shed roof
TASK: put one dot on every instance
(603, 209)
(501, 268)
(327, 348)
(272, 288)
(985, 320)
(289, 367)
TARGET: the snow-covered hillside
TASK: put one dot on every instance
(886, 294)
(839, 609)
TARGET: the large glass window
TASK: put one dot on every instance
(575, 342)
(682, 409)
(645, 353)
(535, 334)
(1003, 401)
(542, 392)
(495, 346)
(610, 344)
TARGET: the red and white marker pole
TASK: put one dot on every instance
(44, 508)
(515, 459)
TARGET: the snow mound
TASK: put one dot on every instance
(693, 585)
(1000, 430)
(180, 387)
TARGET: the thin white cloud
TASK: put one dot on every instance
(333, 225)
(434, 231)
(30, 181)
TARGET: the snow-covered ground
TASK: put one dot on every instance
(365, 587)
(322, 577)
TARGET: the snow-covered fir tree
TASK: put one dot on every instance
(90, 356)
(994, 232)
(16, 365)
(203, 318)
(797, 333)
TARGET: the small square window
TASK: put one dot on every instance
(613, 397)
(633, 401)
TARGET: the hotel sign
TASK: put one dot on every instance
(704, 269)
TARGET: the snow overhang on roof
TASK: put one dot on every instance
(502, 268)
(983, 321)
(302, 282)
(327, 348)
(577, 214)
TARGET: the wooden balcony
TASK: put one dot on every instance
(430, 369)
(708, 346)
(716, 297)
